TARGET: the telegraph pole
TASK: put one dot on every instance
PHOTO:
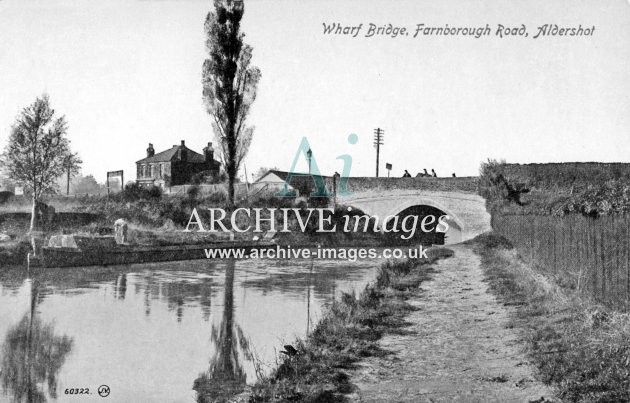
(68, 181)
(378, 142)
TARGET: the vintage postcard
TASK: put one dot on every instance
(314, 201)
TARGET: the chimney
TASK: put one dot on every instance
(182, 155)
(208, 153)
(150, 151)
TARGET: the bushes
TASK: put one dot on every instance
(569, 174)
(497, 187)
(491, 240)
(490, 187)
(4, 196)
(208, 177)
(141, 206)
(591, 189)
(15, 251)
(134, 192)
(611, 197)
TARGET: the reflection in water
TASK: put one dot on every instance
(179, 293)
(226, 376)
(308, 299)
(32, 355)
(121, 286)
(201, 318)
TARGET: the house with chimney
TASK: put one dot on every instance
(175, 166)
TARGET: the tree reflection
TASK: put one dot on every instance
(178, 293)
(120, 289)
(226, 376)
(32, 356)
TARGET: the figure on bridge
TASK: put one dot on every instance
(433, 172)
(406, 174)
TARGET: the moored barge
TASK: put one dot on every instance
(79, 251)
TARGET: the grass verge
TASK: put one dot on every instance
(348, 332)
(580, 348)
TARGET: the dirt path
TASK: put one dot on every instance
(461, 350)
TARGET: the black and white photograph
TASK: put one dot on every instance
(249, 201)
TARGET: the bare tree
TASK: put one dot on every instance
(37, 148)
(229, 85)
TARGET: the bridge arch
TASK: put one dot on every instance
(405, 204)
(467, 212)
(455, 231)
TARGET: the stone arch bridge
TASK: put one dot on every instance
(456, 197)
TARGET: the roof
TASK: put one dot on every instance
(269, 176)
(284, 174)
(171, 154)
(298, 179)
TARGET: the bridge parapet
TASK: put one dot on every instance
(463, 184)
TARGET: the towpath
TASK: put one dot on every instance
(461, 347)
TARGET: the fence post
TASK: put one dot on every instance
(602, 253)
(627, 258)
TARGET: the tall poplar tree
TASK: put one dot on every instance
(229, 85)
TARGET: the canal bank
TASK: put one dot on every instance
(318, 367)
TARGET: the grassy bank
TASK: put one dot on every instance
(579, 347)
(348, 332)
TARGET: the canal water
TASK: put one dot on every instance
(159, 332)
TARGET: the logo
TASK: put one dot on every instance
(103, 391)
(339, 181)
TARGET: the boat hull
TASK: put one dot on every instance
(126, 254)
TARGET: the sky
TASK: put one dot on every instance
(127, 73)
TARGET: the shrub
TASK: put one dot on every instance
(568, 174)
(208, 177)
(497, 187)
(492, 240)
(134, 192)
(4, 196)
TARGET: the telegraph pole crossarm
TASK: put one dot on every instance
(378, 142)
